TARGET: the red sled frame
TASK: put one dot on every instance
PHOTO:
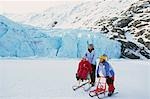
(100, 88)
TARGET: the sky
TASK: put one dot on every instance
(29, 6)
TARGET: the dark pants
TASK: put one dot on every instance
(110, 82)
(93, 74)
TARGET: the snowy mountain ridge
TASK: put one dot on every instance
(75, 14)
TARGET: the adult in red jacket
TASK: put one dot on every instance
(84, 69)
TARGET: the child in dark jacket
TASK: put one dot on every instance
(108, 73)
(91, 56)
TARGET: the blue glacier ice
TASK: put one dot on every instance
(18, 40)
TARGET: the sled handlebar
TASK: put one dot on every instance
(99, 80)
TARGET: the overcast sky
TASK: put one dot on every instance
(22, 7)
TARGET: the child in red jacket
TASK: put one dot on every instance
(84, 69)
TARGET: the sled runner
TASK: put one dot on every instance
(88, 89)
(106, 96)
(77, 87)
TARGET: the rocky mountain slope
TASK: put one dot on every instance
(131, 28)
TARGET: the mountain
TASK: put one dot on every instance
(131, 28)
(74, 14)
(124, 21)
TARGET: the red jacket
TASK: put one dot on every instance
(83, 69)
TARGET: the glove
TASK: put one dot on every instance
(107, 77)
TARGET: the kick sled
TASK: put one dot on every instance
(100, 91)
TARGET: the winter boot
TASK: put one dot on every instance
(110, 94)
(92, 84)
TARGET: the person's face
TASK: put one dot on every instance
(90, 47)
(101, 60)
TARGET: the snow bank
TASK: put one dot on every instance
(53, 79)
(18, 40)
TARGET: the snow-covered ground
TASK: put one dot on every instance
(53, 79)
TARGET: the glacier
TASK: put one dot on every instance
(18, 40)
